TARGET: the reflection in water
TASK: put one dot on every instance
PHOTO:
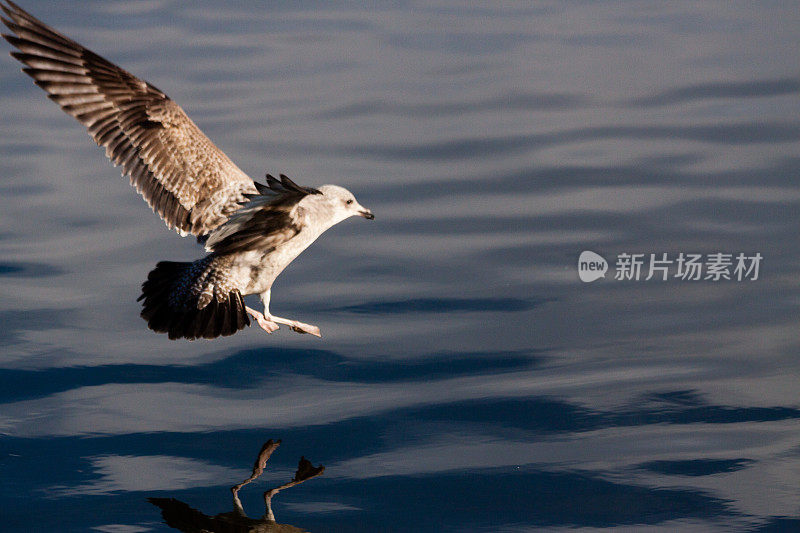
(179, 515)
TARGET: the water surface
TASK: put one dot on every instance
(467, 379)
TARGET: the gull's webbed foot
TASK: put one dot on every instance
(306, 328)
(266, 324)
(269, 323)
(297, 326)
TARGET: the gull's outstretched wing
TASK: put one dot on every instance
(272, 217)
(181, 174)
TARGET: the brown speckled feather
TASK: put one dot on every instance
(181, 174)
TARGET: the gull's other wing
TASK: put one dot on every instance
(271, 218)
(181, 174)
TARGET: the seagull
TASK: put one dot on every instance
(251, 231)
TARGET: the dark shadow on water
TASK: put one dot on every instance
(782, 524)
(696, 467)
(544, 415)
(701, 91)
(245, 369)
(707, 414)
(526, 497)
(28, 270)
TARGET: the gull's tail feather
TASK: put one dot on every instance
(181, 300)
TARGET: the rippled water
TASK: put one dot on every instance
(467, 379)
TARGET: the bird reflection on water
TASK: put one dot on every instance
(181, 516)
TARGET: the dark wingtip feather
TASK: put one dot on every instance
(274, 184)
(261, 188)
(284, 186)
(289, 185)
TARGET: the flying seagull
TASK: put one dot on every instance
(251, 231)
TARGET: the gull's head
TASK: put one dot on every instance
(343, 202)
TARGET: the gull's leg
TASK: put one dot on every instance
(297, 326)
(266, 324)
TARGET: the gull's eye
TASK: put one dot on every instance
(348, 202)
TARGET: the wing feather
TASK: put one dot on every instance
(180, 173)
(269, 219)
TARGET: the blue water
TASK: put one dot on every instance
(467, 380)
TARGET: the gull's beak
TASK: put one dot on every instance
(366, 213)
